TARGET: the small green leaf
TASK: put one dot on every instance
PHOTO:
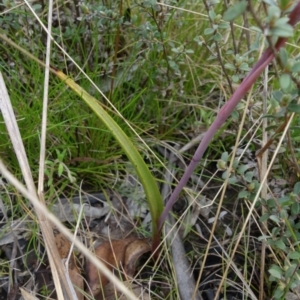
(283, 31)
(249, 176)
(208, 31)
(50, 182)
(223, 25)
(176, 50)
(290, 271)
(235, 11)
(173, 64)
(297, 188)
(244, 67)
(60, 169)
(283, 55)
(199, 40)
(243, 194)
(263, 237)
(271, 203)
(275, 271)
(264, 217)
(235, 115)
(254, 28)
(295, 209)
(283, 214)
(294, 107)
(294, 255)
(242, 169)
(279, 292)
(36, 7)
(295, 67)
(281, 149)
(273, 12)
(286, 200)
(229, 66)
(274, 218)
(225, 175)
(225, 156)
(212, 57)
(235, 78)
(232, 180)
(281, 22)
(235, 164)
(285, 81)
(218, 37)
(211, 15)
(280, 245)
(189, 51)
(277, 95)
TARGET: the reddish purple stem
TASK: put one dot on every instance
(225, 112)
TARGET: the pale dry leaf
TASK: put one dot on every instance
(66, 211)
(115, 254)
(14, 230)
(27, 296)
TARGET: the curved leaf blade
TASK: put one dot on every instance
(151, 190)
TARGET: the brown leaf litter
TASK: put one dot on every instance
(120, 255)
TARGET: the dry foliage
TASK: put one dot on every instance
(120, 255)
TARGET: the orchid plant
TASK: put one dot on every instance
(281, 19)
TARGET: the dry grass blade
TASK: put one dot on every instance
(45, 107)
(14, 133)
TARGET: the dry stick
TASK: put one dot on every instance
(186, 283)
(255, 200)
(262, 167)
(65, 231)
